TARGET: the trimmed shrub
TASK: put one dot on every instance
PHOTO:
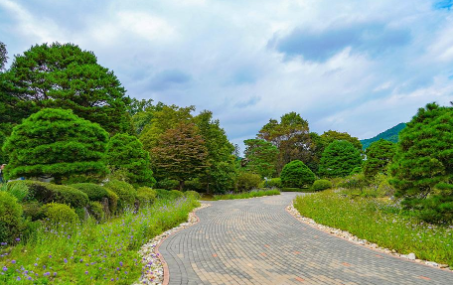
(47, 192)
(297, 175)
(113, 201)
(176, 194)
(167, 184)
(94, 192)
(193, 194)
(322, 184)
(146, 195)
(96, 210)
(10, 218)
(193, 184)
(163, 194)
(126, 193)
(274, 183)
(59, 214)
(33, 210)
(248, 181)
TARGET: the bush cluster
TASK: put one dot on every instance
(146, 195)
(10, 218)
(193, 194)
(322, 184)
(59, 214)
(297, 175)
(94, 192)
(274, 183)
(248, 181)
(126, 193)
(47, 192)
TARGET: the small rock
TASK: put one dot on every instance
(433, 264)
(411, 256)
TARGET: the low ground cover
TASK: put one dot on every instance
(91, 253)
(381, 222)
(246, 195)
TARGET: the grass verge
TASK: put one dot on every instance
(246, 195)
(380, 223)
(91, 253)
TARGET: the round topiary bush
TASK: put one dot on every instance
(47, 192)
(96, 210)
(95, 192)
(125, 191)
(10, 218)
(248, 181)
(339, 159)
(297, 175)
(113, 201)
(193, 194)
(146, 195)
(322, 184)
(59, 214)
(176, 194)
(33, 210)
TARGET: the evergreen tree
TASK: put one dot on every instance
(339, 159)
(56, 143)
(63, 76)
(331, 136)
(297, 175)
(379, 154)
(126, 153)
(261, 157)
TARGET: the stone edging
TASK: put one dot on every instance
(353, 239)
(155, 269)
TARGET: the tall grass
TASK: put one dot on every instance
(252, 194)
(17, 189)
(91, 253)
(380, 223)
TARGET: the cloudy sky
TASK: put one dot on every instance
(359, 66)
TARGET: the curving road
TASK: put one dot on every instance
(256, 241)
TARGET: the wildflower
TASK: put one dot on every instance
(55, 274)
(13, 261)
(86, 272)
(17, 239)
(5, 268)
(121, 264)
(18, 278)
(65, 260)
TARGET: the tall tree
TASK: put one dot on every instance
(379, 154)
(291, 136)
(64, 76)
(331, 136)
(339, 159)
(180, 153)
(58, 144)
(3, 56)
(126, 153)
(318, 144)
(261, 157)
(142, 113)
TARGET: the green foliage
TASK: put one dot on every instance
(322, 184)
(291, 136)
(126, 193)
(59, 214)
(96, 210)
(339, 159)
(3, 156)
(56, 143)
(18, 189)
(261, 157)
(297, 175)
(380, 223)
(162, 194)
(331, 136)
(248, 181)
(64, 76)
(146, 195)
(113, 201)
(195, 195)
(168, 184)
(48, 192)
(389, 135)
(274, 183)
(296, 190)
(193, 184)
(94, 192)
(356, 181)
(424, 154)
(10, 218)
(176, 194)
(3, 56)
(125, 152)
(379, 155)
(247, 195)
(357, 170)
(33, 209)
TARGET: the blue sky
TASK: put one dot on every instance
(358, 66)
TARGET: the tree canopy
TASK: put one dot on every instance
(379, 154)
(56, 143)
(260, 157)
(331, 136)
(297, 175)
(339, 159)
(3, 56)
(63, 76)
(126, 153)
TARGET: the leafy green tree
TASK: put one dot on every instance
(291, 136)
(180, 154)
(379, 154)
(142, 113)
(126, 153)
(422, 168)
(297, 175)
(339, 159)
(220, 172)
(3, 156)
(56, 143)
(331, 136)
(63, 76)
(318, 144)
(261, 157)
(3, 56)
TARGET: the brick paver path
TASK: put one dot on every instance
(256, 241)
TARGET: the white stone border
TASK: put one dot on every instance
(352, 238)
(153, 267)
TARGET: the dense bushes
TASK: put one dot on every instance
(146, 195)
(10, 218)
(168, 195)
(94, 192)
(59, 214)
(248, 181)
(322, 184)
(126, 193)
(47, 192)
(167, 184)
(176, 194)
(33, 210)
(297, 175)
(96, 210)
(195, 195)
(274, 183)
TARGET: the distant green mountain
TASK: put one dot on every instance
(390, 135)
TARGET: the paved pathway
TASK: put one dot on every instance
(256, 241)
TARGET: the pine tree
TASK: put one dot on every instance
(339, 159)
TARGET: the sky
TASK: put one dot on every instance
(355, 66)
